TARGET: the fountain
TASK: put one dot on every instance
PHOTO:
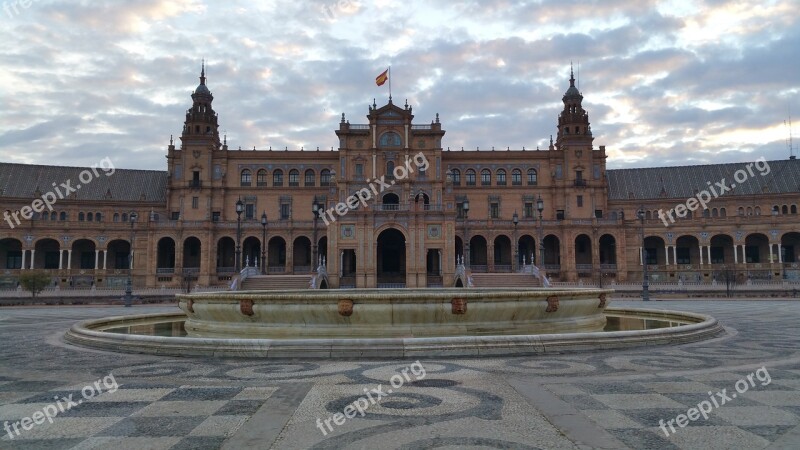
(395, 323)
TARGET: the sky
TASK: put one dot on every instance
(665, 83)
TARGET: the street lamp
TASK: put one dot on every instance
(128, 284)
(514, 262)
(263, 243)
(465, 207)
(540, 208)
(645, 278)
(315, 207)
(239, 209)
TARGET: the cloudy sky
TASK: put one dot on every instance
(665, 83)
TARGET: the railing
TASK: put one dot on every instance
(195, 183)
(553, 267)
(359, 126)
(608, 267)
(584, 267)
(580, 182)
(165, 270)
(347, 282)
(301, 269)
(479, 268)
(435, 281)
(502, 268)
(226, 270)
(390, 207)
(191, 270)
(279, 269)
(421, 127)
(391, 285)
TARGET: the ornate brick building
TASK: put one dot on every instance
(498, 209)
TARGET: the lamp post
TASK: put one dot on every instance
(239, 209)
(314, 211)
(514, 262)
(465, 207)
(129, 283)
(264, 243)
(645, 278)
(540, 208)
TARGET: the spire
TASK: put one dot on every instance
(203, 74)
(571, 75)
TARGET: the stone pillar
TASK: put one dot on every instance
(60, 259)
(96, 259)
(666, 254)
(675, 255)
(24, 252)
(641, 256)
(709, 253)
(701, 254)
(105, 259)
(780, 254)
(33, 253)
(69, 259)
(736, 253)
(770, 253)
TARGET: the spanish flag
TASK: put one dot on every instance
(381, 79)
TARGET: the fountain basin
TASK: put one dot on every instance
(400, 313)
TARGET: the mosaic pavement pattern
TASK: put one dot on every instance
(608, 399)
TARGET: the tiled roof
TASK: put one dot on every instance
(684, 181)
(23, 180)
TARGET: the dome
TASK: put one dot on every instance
(202, 89)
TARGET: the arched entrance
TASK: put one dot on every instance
(226, 255)
(477, 254)
(391, 259)
(191, 254)
(276, 255)
(502, 254)
(11, 253)
(251, 252)
(527, 250)
(301, 255)
(165, 258)
(118, 252)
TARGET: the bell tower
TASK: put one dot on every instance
(573, 122)
(201, 121)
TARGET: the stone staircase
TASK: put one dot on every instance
(276, 282)
(505, 280)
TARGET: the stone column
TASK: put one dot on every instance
(666, 254)
(33, 253)
(709, 253)
(60, 259)
(770, 253)
(69, 259)
(780, 254)
(96, 259)
(105, 259)
(675, 255)
(736, 254)
(701, 254)
(641, 256)
(22, 266)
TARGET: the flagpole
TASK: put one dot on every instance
(390, 84)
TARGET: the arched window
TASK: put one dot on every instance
(785, 209)
(116, 217)
(325, 177)
(247, 177)
(501, 177)
(277, 177)
(261, 178)
(63, 216)
(90, 217)
(470, 177)
(390, 139)
(98, 217)
(81, 217)
(740, 211)
(648, 215)
(294, 177)
(486, 177)
(714, 212)
(456, 177)
(124, 217)
(45, 216)
(390, 170)
(311, 178)
(757, 210)
(532, 178)
(749, 211)
(516, 177)
(706, 213)
(794, 209)
(53, 215)
(723, 212)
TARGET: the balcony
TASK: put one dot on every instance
(194, 184)
(580, 183)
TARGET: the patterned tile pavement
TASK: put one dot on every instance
(604, 399)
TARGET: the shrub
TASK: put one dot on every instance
(34, 281)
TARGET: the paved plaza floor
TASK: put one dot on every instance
(605, 399)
